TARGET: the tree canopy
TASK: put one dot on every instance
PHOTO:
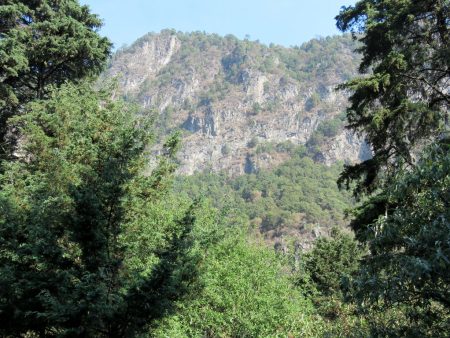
(404, 100)
(241, 291)
(44, 44)
(401, 106)
(409, 263)
(68, 214)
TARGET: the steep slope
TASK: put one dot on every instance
(296, 202)
(238, 100)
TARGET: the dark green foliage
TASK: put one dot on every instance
(325, 131)
(44, 43)
(233, 63)
(409, 242)
(92, 245)
(331, 260)
(402, 108)
(405, 100)
(312, 102)
(68, 211)
(330, 128)
(215, 187)
(320, 58)
(322, 275)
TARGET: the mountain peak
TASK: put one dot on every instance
(234, 98)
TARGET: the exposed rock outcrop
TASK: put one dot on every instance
(232, 96)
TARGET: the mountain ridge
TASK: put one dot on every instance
(236, 100)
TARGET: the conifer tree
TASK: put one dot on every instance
(404, 101)
(66, 219)
(43, 44)
(401, 107)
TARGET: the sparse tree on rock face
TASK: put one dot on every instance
(402, 108)
(44, 44)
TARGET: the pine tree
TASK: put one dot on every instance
(401, 107)
(408, 268)
(404, 101)
(43, 44)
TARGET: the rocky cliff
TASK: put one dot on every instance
(238, 100)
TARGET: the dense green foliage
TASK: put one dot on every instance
(409, 262)
(241, 292)
(92, 247)
(331, 260)
(323, 273)
(299, 194)
(68, 210)
(324, 133)
(295, 198)
(402, 107)
(44, 43)
(405, 100)
(94, 244)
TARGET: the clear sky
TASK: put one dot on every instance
(284, 22)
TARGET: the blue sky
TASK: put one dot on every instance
(284, 22)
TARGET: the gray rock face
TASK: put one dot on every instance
(229, 96)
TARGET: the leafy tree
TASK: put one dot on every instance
(330, 128)
(241, 291)
(44, 43)
(331, 260)
(67, 222)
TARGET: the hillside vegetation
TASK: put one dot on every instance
(229, 95)
(294, 203)
(101, 237)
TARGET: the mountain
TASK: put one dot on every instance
(239, 102)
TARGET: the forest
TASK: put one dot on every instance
(94, 243)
